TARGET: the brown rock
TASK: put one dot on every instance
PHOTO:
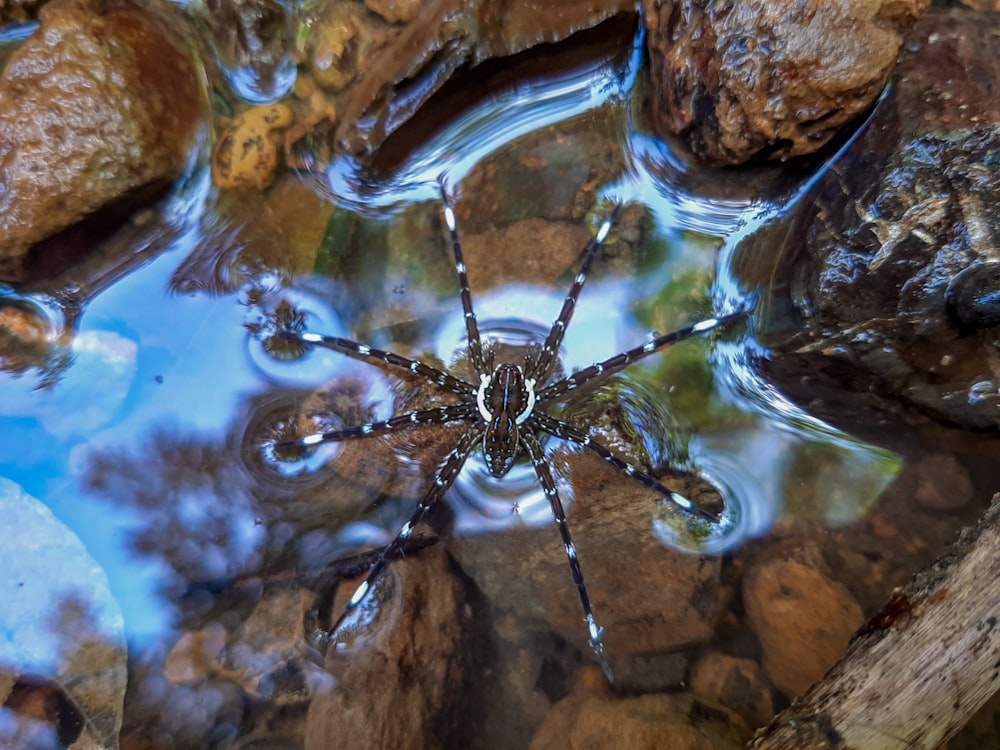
(653, 722)
(399, 666)
(247, 152)
(396, 11)
(372, 62)
(98, 103)
(649, 598)
(760, 79)
(891, 261)
(802, 619)
(18, 11)
(943, 483)
(738, 684)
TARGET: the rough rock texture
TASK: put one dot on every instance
(648, 597)
(889, 263)
(399, 666)
(761, 79)
(738, 684)
(384, 59)
(97, 104)
(247, 152)
(646, 722)
(18, 11)
(802, 619)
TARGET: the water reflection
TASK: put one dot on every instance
(152, 447)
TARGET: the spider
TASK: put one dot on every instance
(506, 412)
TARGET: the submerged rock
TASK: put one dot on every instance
(383, 60)
(98, 107)
(645, 722)
(400, 671)
(736, 683)
(887, 265)
(802, 619)
(759, 79)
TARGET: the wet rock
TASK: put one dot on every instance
(943, 483)
(802, 618)
(19, 11)
(63, 653)
(27, 338)
(555, 248)
(395, 11)
(247, 152)
(738, 684)
(400, 668)
(386, 58)
(661, 721)
(96, 106)
(758, 79)
(648, 597)
(870, 272)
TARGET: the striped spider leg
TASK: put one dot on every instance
(505, 413)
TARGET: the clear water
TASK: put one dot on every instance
(144, 443)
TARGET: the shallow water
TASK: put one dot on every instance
(147, 441)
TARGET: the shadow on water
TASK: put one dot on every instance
(152, 445)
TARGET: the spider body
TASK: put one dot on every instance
(505, 413)
(505, 400)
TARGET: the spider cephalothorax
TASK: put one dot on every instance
(505, 413)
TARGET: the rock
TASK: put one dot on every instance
(646, 722)
(385, 60)
(738, 684)
(648, 597)
(395, 11)
(97, 105)
(400, 666)
(19, 11)
(27, 338)
(943, 483)
(247, 152)
(758, 79)
(556, 247)
(802, 619)
(872, 262)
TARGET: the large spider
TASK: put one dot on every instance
(505, 412)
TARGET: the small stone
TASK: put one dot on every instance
(247, 152)
(802, 619)
(738, 684)
(662, 721)
(943, 483)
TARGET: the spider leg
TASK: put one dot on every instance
(440, 415)
(619, 361)
(471, 323)
(537, 455)
(542, 366)
(372, 354)
(445, 477)
(567, 431)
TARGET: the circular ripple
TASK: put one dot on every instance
(280, 466)
(484, 503)
(294, 363)
(678, 530)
